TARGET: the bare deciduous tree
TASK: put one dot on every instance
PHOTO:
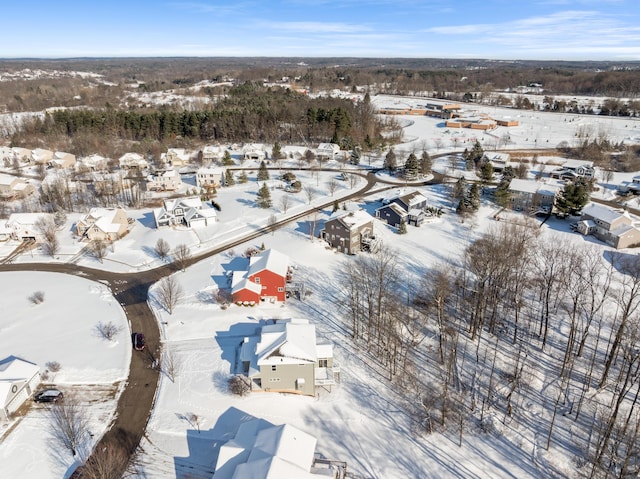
(107, 461)
(46, 226)
(285, 202)
(37, 297)
(169, 293)
(181, 255)
(162, 248)
(169, 364)
(107, 330)
(239, 385)
(69, 425)
(98, 249)
(309, 192)
(332, 186)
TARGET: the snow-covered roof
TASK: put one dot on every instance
(210, 171)
(7, 180)
(271, 260)
(352, 219)
(412, 198)
(13, 368)
(573, 163)
(189, 202)
(524, 186)
(287, 341)
(601, 212)
(25, 218)
(239, 281)
(263, 451)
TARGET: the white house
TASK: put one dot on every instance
(41, 156)
(93, 163)
(61, 159)
(212, 153)
(168, 180)
(529, 194)
(261, 450)
(177, 157)
(18, 380)
(132, 160)
(254, 151)
(327, 151)
(23, 226)
(209, 177)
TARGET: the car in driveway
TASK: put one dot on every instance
(138, 341)
(48, 395)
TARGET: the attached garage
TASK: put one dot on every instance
(18, 381)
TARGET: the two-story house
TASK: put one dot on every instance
(614, 227)
(18, 380)
(133, 161)
(187, 211)
(209, 177)
(104, 224)
(349, 231)
(168, 180)
(284, 357)
(526, 195)
(265, 279)
(407, 207)
(13, 187)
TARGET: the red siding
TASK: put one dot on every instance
(245, 295)
(270, 283)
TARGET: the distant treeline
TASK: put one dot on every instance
(249, 113)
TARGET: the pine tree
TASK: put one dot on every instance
(390, 161)
(226, 158)
(402, 229)
(486, 172)
(243, 177)
(229, 179)
(460, 188)
(572, 197)
(263, 173)
(264, 197)
(411, 167)
(473, 197)
(276, 151)
(336, 206)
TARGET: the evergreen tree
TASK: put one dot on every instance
(355, 156)
(411, 167)
(263, 173)
(486, 172)
(336, 206)
(390, 161)
(425, 163)
(243, 177)
(573, 197)
(264, 197)
(226, 158)
(276, 151)
(229, 179)
(502, 194)
(402, 229)
(460, 188)
(473, 197)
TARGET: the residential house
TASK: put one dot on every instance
(327, 151)
(254, 151)
(499, 161)
(23, 226)
(133, 160)
(264, 280)
(13, 187)
(104, 224)
(260, 450)
(187, 211)
(207, 178)
(408, 207)
(572, 169)
(284, 357)
(615, 227)
(61, 159)
(22, 154)
(168, 180)
(93, 163)
(40, 156)
(212, 153)
(350, 231)
(529, 195)
(177, 157)
(18, 381)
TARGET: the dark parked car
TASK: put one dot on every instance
(48, 395)
(138, 341)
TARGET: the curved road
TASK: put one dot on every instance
(131, 290)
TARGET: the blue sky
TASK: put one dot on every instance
(496, 29)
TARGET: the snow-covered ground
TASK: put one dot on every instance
(362, 420)
(60, 329)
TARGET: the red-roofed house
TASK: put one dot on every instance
(266, 278)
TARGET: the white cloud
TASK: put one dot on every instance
(311, 28)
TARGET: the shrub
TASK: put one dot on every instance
(37, 297)
(53, 366)
(239, 385)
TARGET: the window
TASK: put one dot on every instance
(256, 280)
(323, 363)
(274, 367)
(280, 289)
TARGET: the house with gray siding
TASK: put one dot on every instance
(349, 231)
(284, 357)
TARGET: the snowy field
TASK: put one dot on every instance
(60, 329)
(362, 421)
